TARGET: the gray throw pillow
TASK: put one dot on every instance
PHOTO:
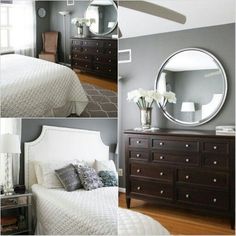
(108, 178)
(89, 177)
(69, 178)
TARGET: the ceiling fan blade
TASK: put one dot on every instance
(154, 9)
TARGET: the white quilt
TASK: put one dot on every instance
(88, 213)
(32, 87)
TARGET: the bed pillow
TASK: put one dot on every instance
(108, 178)
(107, 165)
(69, 178)
(89, 177)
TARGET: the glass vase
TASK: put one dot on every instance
(146, 117)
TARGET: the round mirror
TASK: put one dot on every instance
(199, 82)
(102, 15)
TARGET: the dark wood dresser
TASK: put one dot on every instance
(95, 55)
(188, 169)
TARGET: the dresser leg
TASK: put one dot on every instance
(232, 222)
(128, 200)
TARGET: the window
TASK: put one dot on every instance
(17, 27)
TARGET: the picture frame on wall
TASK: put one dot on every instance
(70, 2)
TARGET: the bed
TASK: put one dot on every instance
(32, 87)
(79, 212)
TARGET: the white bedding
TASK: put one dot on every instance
(88, 213)
(32, 87)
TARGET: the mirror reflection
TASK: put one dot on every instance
(104, 16)
(199, 82)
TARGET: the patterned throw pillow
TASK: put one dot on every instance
(69, 178)
(89, 177)
(108, 178)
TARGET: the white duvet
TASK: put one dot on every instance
(88, 213)
(32, 87)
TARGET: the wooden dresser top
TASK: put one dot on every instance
(179, 132)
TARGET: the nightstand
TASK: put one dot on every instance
(16, 214)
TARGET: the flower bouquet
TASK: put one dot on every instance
(81, 22)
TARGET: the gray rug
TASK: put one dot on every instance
(102, 102)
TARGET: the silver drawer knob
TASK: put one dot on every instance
(138, 141)
(215, 162)
(187, 195)
(86, 57)
(86, 66)
(109, 52)
(187, 160)
(214, 147)
(214, 180)
(187, 177)
(97, 50)
(85, 42)
(162, 191)
(96, 43)
(187, 145)
(76, 64)
(161, 143)
(214, 199)
(138, 155)
(97, 58)
(85, 49)
(138, 188)
(110, 60)
(109, 70)
(109, 44)
(161, 173)
(97, 68)
(161, 157)
(138, 171)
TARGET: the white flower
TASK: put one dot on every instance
(170, 96)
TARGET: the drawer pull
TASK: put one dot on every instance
(187, 145)
(97, 44)
(215, 147)
(109, 44)
(109, 52)
(214, 200)
(109, 70)
(85, 49)
(76, 64)
(138, 188)
(97, 58)
(110, 60)
(97, 50)
(97, 68)
(85, 43)
(214, 180)
(86, 66)
(138, 170)
(187, 160)
(215, 162)
(86, 57)
(161, 157)
(138, 155)
(76, 55)
(162, 191)
(187, 195)
(161, 143)
(138, 142)
(187, 177)
(161, 173)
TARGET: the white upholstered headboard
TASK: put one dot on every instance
(60, 144)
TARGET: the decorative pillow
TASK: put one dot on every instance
(69, 178)
(107, 165)
(108, 178)
(89, 178)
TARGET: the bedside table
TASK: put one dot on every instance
(16, 214)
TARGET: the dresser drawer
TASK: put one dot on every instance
(81, 57)
(87, 43)
(138, 142)
(151, 171)
(139, 155)
(159, 190)
(81, 64)
(202, 178)
(105, 60)
(188, 160)
(215, 199)
(217, 148)
(172, 145)
(215, 161)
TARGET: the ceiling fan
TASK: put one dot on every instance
(153, 9)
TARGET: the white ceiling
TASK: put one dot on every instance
(199, 13)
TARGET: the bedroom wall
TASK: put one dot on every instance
(149, 52)
(42, 24)
(31, 129)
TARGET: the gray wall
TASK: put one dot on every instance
(31, 129)
(149, 52)
(54, 22)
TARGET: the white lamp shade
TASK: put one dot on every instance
(64, 13)
(9, 143)
(187, 107)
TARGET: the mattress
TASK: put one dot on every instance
(31, 87)
(88, 213)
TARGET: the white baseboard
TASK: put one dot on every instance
(122, 190)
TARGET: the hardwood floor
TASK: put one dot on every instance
(179, 221)
(99, 81)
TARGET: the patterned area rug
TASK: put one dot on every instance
(102, 102)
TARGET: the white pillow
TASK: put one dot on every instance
(107, 165)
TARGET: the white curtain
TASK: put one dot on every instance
(24, 27)
(10, 126)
